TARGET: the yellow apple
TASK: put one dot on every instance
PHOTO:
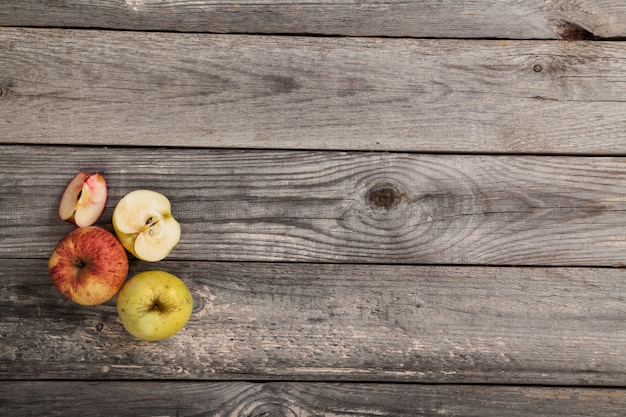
(154, 305)
(88, 265)
(143, 222)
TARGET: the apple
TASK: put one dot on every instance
(83, 200)
(88, 265)
(154, 305)
(143, 222)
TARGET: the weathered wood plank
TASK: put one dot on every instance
(267, 321)
(527, 19)
(122, 88)
(338, 206)
(244, 399)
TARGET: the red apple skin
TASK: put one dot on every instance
(89, 265)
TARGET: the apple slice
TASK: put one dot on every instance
(83, 200)
(144, 224)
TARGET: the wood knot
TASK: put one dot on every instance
(571, 31)
(198, 303)
(385, 195)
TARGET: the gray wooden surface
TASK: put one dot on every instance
(417, 211)
(289, 399)
(341, 206)
(518, 19)
(301, 321)
(312, 93)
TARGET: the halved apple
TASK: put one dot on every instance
(144, 224)
(83, 200)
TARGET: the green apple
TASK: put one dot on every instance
(154, 305)
(143, 222)
(88, 265)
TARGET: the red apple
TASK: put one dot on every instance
(84, 198)
(88, 265)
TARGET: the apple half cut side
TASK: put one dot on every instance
(154, 305)
(144, 224)
(83, 200)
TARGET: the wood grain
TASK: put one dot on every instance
(284, 399)
(338, 206)
(345, 283)
(296, 321)
(528, 19)
(162, 89)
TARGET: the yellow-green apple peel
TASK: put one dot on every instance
(154, 305)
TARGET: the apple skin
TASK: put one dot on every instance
(154, 305)
(84, 199)
(143, 222)
(88, 265)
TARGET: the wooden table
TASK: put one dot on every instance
(389, 208)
